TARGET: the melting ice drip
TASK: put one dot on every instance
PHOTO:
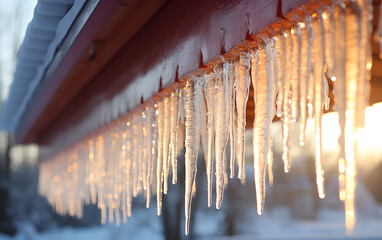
(288, 64)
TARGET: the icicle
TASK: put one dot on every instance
(159, 174)
(263, 107)
(209, 93)
(341, 179)
(154, 149)
(353, 41)
(234, 58)
(304, 22)
(325, 93)
(149, 142)
(91, 173)
(270, 162)
(278, 30)
(192, 114)
(136, 155)
(166, 143)
(128, 166)
(328, 20)
(254, 76)
(123, 156)
(274, 69)
(286, 120)
(365, 59)
(118, 162)
(221, 109)
(318, 51)
(242, 90)
(296, 72)
(174, 133)
(340, 88)
(145, 149)
(203, 132)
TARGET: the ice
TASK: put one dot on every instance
(235, 68)
(154, 150)
(288, 64)
(150, 154)
(340, 86)
(365, 60)
(352, 73)
(318, 51)
(296, 72)
(193, 99)
(166, 143)
(329, 32)
(270, 161)
(221, 112)
(242, 90)
(159, 172)
(174, 133)
(306, 48)
(263, 108)
(203, 132)
(209, 92)
(286, 115)
(274, 69)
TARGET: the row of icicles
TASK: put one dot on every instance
(288, 64)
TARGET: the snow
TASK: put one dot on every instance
(138, 227)
(276, 223)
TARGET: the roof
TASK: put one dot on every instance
(50, 24)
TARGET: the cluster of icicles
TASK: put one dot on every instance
(288, 64)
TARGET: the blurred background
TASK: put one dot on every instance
(292, 211)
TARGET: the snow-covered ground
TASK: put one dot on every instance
(274, 224)
(278, 224)
(144, 224)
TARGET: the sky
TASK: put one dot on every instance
(13, 25)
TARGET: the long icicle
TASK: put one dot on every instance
(278, 30)
(304, 22)
(233, 58)
(286, 120)
(174, 106)
(263, 101)
(340, 88)
(159, 173)
(275, 75)
(318, 51)
(296, 69)
(209, 92)
(192, 114)
(353, 41)
(166, 142)
(242, 91)
(221, 126)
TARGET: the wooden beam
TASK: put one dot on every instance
(111, 26)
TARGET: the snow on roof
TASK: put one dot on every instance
(50, 24)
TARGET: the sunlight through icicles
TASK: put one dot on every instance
(287, 63)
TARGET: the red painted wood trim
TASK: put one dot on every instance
(98, 18)
(171, 44)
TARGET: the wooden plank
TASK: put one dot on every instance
(127, 18)
(181, 36)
